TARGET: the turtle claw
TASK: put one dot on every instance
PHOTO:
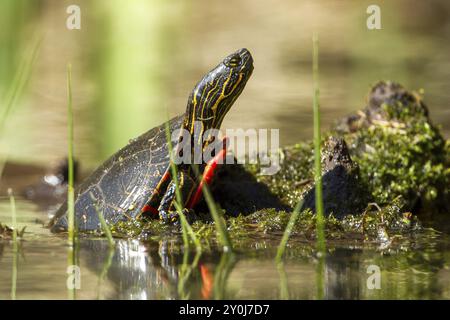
(164, 216)
(168, 217)
(172, 217)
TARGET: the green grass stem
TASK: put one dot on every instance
(18, 84)
(103, 223)
(71, 258)
(70, 190)
(320, 276)
(221, 227)
(15, 245)
(284, 289)
(106, 266)
(287, 232)
(223, 270)
(186, 229)
(185, 272)
(320, 222)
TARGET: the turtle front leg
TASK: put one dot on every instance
(186, 186)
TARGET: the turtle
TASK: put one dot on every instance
(137, 180)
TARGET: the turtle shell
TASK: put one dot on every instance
(123, 184)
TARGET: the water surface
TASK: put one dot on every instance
(414, 268)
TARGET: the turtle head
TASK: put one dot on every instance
(214, 95)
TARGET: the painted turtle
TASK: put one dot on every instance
(137, 180)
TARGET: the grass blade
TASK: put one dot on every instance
(19, 82)
(186, 228)
(284, 289)
(287, 232)
(103, 223)
(185, 272)
(317, 157)
(70, 190)
(106, 266)
(222, 273)
(71, 259)
(15, 245)
(320, 220)
(219, 221)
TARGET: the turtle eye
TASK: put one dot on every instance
(233, 61)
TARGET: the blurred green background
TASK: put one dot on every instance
(133, 60)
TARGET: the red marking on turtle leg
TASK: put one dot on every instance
(155, 198)
(207, 281)
(166, 176)
(208, 174)
(150, 209)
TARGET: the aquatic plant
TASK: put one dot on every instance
(185, 226)
(222, 273)
(128, 67)
(104, 225)
(72, 237)
(317, 146)
(284, 289)
(15, 245)
(185, 272)
(70, 188)
(16, 89)
(219, 221)
(287, 232)
(317, 171)
(105, 268)
(18, 84)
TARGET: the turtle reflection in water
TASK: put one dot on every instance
(137, 179)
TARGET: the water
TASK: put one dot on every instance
(416, 267)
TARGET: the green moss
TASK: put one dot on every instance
(134, 228)
(398, 151)
(390, 218)
(296, 173)
(404, 155)
(374, 224)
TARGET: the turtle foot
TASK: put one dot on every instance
(173, 217)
